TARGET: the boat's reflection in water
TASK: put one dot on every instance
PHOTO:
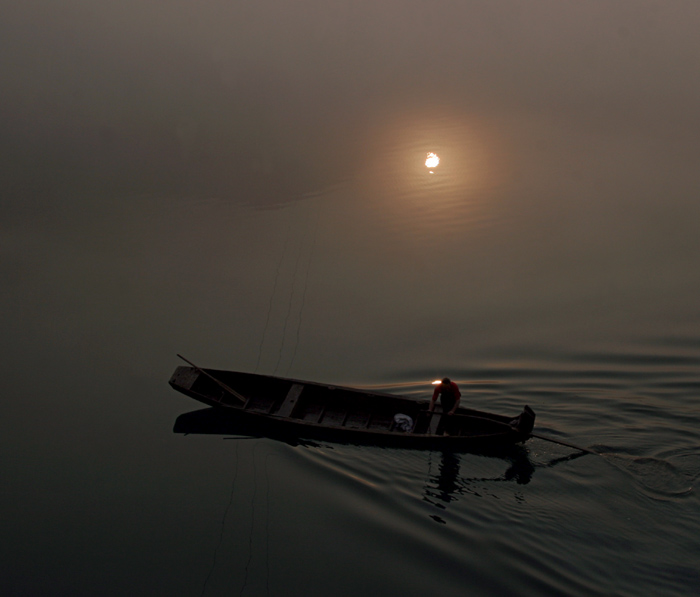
(445, 486)
(216, 421)
(440, 488)
(210, 421)
(213, 421)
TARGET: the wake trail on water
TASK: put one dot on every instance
(658, 478)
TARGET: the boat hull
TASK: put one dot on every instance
(291, 410)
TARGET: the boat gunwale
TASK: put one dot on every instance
(507, 433)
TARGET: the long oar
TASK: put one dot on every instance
(556, 441)
(219, 382)
(542, 437)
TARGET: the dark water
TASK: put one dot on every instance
(245, 184)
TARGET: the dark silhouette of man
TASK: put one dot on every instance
(449, 395)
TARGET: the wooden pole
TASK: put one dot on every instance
(219, 382)
(556, 441)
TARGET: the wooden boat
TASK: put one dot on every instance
(289, 409)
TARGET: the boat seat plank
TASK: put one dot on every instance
(434, 422)
(287, 407)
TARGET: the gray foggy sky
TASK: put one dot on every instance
(212, 97)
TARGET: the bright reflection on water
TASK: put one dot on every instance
(247, 184)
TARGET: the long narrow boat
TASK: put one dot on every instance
(289, 409)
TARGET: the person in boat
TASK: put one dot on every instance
(449, 395)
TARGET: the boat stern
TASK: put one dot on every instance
(524, 422)
(183, 378)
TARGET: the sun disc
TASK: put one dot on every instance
(432, 160)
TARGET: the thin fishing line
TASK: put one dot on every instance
(252, 524)
(223, 521)
(289, 305)
(303, 294)
(267, 525)
(272, 297)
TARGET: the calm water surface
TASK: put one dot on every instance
(247, 186)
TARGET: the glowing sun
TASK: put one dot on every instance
(432, 160)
